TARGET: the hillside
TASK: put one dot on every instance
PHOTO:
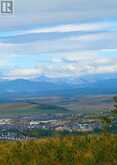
(81, 150)
(58, 87)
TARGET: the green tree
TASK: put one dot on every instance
(106, 121)
(114, 111)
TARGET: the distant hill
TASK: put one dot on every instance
(45, 86)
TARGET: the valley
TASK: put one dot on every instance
(56, 104)
(35, 117)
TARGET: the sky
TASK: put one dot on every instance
(58, 38)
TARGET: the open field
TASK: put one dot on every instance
(13, 106)
(90, 104)
(20, 109)
(40, 105)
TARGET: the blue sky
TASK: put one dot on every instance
(59, 38)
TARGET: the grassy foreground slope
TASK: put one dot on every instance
(75, 150)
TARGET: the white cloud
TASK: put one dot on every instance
(81, 27)
(54, 11)
(68, 65)
(74, 27)
(61, 16)
(25, 73)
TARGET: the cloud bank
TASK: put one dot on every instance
(59, 38)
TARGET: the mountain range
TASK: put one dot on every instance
(86, 85)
